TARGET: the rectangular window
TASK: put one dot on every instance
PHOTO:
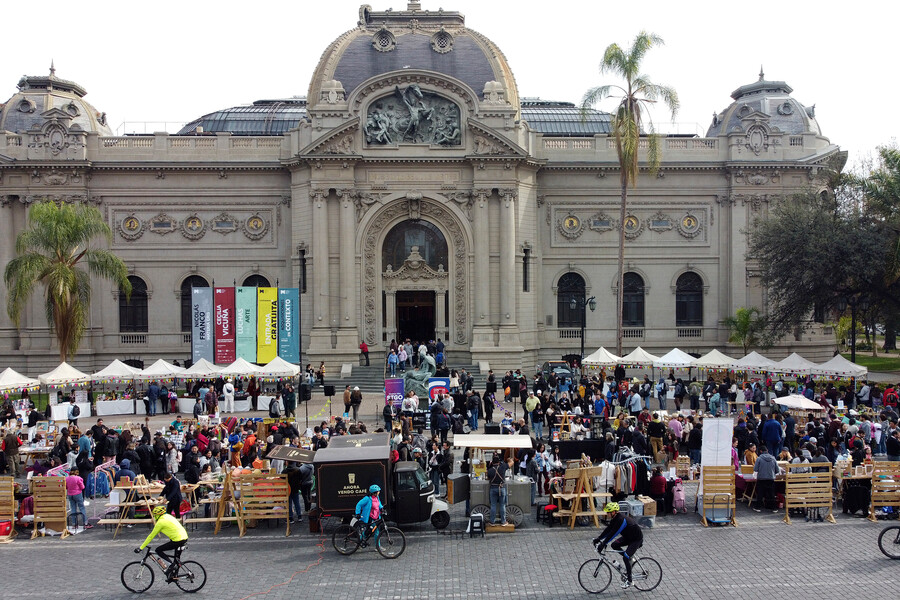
(526, 264)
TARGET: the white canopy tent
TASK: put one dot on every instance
(202, 369)
(753, 362)
(601, 358)
(160, 370)
(116, 371)
(797, 402)
(793, 365)
(713, 360)
(64, 374)
(278, 367)
(840, 367)
(638, 358)
(491, 441)
(674, 359)
(240, 368)
(11, 380)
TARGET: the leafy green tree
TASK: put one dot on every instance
(745, 327)
(638, 93)
(53, 252)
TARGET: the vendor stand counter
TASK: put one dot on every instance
(60, 412)
(115, 407)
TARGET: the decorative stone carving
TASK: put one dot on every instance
(757, 138)
(363, 201)
(412, 116)
(465, 200)
(224, 224)
(442, 42)
(570, 227)
(415, 205)
(384, 40)
(660, 222)
(601, 223)
(332, 92)
(163, 224)
(493, 93)
(689, 226)
(26, 106)
(456, 241)
(255, 227)
(633, 226)
(193, 228)
(755, 201)
(756, 177)
(131, 228)
(785, 109)
(342, 145)
(415, 269)
(486, 146)
(54, 177)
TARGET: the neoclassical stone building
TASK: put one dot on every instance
(411, 193)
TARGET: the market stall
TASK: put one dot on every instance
(840, 367)
(116, 373)
(62, 377)
(601, 359)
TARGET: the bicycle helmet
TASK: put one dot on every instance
(374, 488)
(159, 511)
(611, 507)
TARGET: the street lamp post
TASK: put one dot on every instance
(854, 301)
(575, 303)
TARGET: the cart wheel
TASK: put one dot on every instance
(514, 515)
(440, 519)
(482, 509)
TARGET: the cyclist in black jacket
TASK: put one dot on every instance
(631, 537)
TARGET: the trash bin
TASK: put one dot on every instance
(315, 525)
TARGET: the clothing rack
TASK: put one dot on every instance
(630, 459)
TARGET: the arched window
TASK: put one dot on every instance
(571, 285)
(133, 310)
(194, 281)
(399, 242)
(256, 281)
(633, 301)
(689, 300)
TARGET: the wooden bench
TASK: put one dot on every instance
(885, 487)
(808, 490)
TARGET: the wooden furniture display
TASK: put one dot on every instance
(225, 507)
(131, 496)
(718, 492)
(579, 495)
(262, 496)
(50, 504)
(808, 490)
(682, 466)
(885, 487)
(8, 507)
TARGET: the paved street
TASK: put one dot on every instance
(762, 558)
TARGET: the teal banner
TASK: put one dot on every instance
(289, 324)
(245, 322)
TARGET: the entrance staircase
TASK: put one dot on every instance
(371, 379)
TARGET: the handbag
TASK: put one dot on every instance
(185, 507)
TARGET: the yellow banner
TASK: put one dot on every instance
(267, 327)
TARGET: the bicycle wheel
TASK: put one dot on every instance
(345, 540)
(594, 576)
(137, 577)
(391, 542)
(889, 541)
(191, 576)
(646, 574)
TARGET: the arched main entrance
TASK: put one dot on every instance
(414, 274)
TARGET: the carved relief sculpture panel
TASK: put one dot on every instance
(411, 116)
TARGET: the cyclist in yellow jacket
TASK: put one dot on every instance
(170, 527)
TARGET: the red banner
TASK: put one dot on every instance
(223, 305)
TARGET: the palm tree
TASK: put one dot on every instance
(745, 327)
(48, 252)
(627, 123)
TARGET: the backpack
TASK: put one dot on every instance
(75, 410)
(274, 408)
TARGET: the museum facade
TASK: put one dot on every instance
(411, 194)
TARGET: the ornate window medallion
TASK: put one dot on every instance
(570, 227)
(193, 227)
(442, 42)
(601, 223)
(384, 40)
(255, 227)
(131, 228)
(689, 226)
(633, 227)
(224, 224)
(163, 224)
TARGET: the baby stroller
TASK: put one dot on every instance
(678, 497)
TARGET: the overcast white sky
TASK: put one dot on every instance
(170, 61)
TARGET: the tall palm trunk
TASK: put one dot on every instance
(620, 296)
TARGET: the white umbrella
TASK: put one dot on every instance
(11, 380)
(116, 371)
(202, 369)
(601, 358)
(713, 360)
(638, 358)
(278, 367)
(674, 359)
(794, 365)
(160, 370)
(752, 362)
(64, 374)
(798, 402)
(240, 368)
(840, 367)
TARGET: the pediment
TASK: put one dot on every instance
(341, 140)
(56, 114)
(486, 141)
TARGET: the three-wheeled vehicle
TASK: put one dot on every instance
(351, 463)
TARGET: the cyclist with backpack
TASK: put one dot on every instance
(170, 527)
(630, 537)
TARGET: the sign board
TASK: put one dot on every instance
(202, 333)
(291, 454)
(393, 392)
(289, 324)
(223, 305)
(267, 329)
(245, 323)
(438, 385)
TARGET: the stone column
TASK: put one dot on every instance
(321, 300)
(7, 251)
(440, 315)
(349, 280)
(480, 289)
(508, 256)
(390, 307)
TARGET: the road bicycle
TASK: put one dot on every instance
(889, 541)
(137, 576)
(595, 574)
(389, 541)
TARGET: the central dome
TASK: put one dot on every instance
(413, 39)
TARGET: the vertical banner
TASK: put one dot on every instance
(202, 324)
(267, 328)
(393, 392)
(245, 323)
(226, 352)
(289, 325)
